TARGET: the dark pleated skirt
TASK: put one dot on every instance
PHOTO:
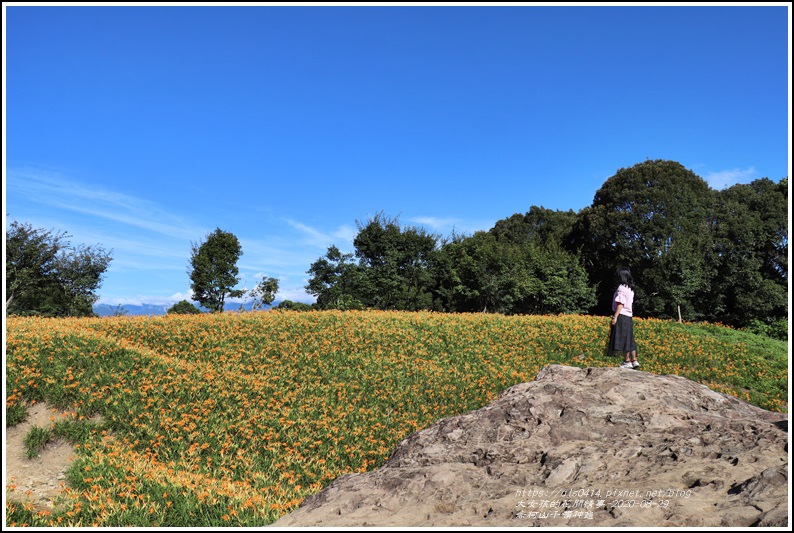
(621, 339)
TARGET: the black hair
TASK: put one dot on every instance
(624, 277)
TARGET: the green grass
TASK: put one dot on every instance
(231, 420)
(35, 441)
(15, 414)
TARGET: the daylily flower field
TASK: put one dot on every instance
(232, 419)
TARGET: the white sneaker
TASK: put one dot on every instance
(635, 364)
(626, 365)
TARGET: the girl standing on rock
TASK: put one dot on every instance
(621, 338)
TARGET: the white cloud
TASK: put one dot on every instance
(446, 225)
(726, 178)
(295, 294)
(148, 300)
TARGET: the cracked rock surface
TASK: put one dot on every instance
(593, 447)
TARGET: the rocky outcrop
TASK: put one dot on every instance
(577, 448)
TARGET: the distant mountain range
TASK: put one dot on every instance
(151, 309)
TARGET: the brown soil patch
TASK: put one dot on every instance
(39, 480)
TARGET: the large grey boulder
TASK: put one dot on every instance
(588, 447)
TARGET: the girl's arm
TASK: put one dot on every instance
(618, 309)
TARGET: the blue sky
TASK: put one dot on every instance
(141, 129)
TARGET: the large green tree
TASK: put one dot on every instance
(484, 275)
(46, 275)
(393, 269)
(654, 219)
(395, 264)
(750, 256)
(213, 270)
(335, 280)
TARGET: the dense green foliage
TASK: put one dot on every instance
(394, 270)
(47, 276)
(493, 274)
(776, 330)
(232, 419)
(750, 255)
(395, 265)
(512, 270)
(697, 253)
(214, 270)
(183, 308)
(333, 281)
(289, 305)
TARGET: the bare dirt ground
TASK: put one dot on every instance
(41, 479)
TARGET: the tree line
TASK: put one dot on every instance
(695, 252)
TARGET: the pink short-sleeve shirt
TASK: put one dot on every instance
(623, 295)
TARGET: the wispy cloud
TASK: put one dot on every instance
(311, 235)
(55, 190)
(150, 245)
(726, 178)
(323, 239)
(345, 233)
